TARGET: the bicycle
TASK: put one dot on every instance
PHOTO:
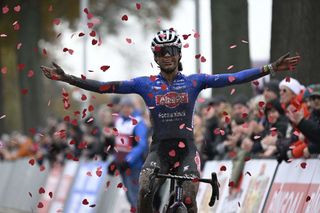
(175, 203)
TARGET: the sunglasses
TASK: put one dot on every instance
(163, 51)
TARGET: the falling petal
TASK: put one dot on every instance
(124, 18)
(138, 6)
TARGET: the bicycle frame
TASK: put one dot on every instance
(176, 201)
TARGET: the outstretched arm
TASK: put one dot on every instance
(282, 64)
(57, 73)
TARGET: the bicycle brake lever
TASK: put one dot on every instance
(215, 189)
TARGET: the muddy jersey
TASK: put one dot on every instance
(171, 104)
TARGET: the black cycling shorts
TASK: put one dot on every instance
(175, 156)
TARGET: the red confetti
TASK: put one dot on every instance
(85, 202)
(90, 25)
(230, 67)
(203, 59)
(227, 119)
(153, 78)
(70, 51)
(50, 195)
(17, 8)
(231, 79)
(197, 56)
(134, 121)
(308, 198)
(233, 90)
(92, 33)
(24, 91)
(129, 40)
(138, 6)
(124, 18)
(223, 168)
(4, 70)
(303, 165)
(176, 164)
(40, 205)
(30, 73)
(216, 131)
(256, 83)
(132, 209)
(185, 36)
(244, 115)
(188, 200)
(83, 77)
(104, 68)
(120, 185)
(172, 153)
(287, 79)
(163, 87)
(231, 184)
(81, 34)
(83, 97)
(56, 21)
(90, 108)
(5, 9)
(86, 11)
(21, 67)
(41, 190)
(182, 126)
(99, 172)
(181, 145)
(261, 103)
(196, 35)
(186, 45)
(16, 25)
(107, 184)
(31, 162)
(94, 41)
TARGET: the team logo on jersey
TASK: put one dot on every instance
(172, 99)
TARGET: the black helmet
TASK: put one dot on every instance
(168, 37)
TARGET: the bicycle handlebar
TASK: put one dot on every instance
(213, 182)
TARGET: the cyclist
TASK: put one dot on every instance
(170, 97)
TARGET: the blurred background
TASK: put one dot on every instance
(54, 125)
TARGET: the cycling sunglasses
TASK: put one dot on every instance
(163, 51)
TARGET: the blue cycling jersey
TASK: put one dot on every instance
(171, 105)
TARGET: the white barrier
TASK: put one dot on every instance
(295, 188)
(250, 197)
(292, 185)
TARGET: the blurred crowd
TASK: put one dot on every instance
(281, 122)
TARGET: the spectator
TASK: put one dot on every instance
(291, 98)
(274, 130)
(271, 90)
(310, 127)
(131, 144)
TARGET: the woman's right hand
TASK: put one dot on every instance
(54, 73)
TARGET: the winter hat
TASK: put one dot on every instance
(292, 84)
(314, 89)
